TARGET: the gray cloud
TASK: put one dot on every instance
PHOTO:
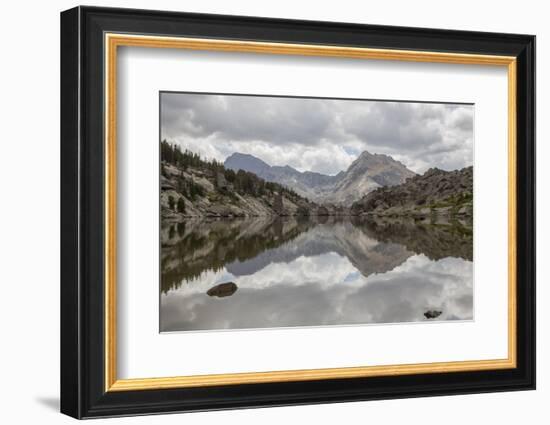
(322, 135)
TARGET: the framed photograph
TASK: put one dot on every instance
(261, 212)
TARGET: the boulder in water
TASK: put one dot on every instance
(432, 314)
(223, 290)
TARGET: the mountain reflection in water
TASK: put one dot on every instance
(313, 272)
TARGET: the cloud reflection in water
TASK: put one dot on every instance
(330, 274)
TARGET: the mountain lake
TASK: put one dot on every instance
(272, 272)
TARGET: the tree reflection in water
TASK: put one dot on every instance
(311, 272)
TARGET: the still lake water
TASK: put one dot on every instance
(278, 272)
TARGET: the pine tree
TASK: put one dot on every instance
(181, 205)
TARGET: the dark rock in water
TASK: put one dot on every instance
(432, 314)
(222, 290)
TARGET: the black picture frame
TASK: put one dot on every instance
(83, 392)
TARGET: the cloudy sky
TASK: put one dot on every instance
(322, 135)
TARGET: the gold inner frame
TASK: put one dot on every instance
(113, 41)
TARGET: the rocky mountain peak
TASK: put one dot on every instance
(367, 154)
(237, 156)
(367, 158)
(246, 162)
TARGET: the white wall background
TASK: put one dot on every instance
(29, 215)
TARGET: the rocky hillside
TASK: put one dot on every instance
(365, 174)
(193, 187)
(435, 193)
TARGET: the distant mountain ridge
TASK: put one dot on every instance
(366, 173)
